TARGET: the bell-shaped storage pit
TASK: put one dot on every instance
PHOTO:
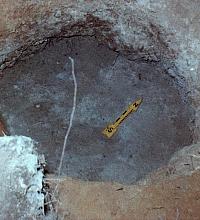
(37, 98)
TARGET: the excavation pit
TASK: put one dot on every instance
(37, 98)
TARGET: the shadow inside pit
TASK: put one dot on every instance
(36, 100)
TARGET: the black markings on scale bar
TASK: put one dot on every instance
(117, 120)
(124, 113)
(135, 105)
(109, 130)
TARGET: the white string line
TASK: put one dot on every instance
(71, 117)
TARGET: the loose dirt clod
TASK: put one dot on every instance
(21, 179)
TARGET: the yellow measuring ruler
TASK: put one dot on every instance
(111, 129)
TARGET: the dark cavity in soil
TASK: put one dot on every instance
(36, 101)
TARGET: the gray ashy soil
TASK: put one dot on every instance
(36, 100)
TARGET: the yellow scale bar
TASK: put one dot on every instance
(111, 129)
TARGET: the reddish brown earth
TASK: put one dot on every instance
(177, 199)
